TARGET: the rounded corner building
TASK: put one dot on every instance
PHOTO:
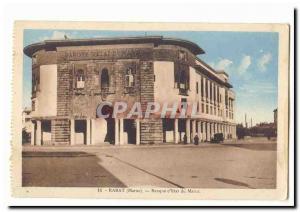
(71, 77)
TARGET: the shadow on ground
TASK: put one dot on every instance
(65, 169)
(260, 147)
(232, 182)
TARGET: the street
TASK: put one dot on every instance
(233, 165)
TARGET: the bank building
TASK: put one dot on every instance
(71, 77)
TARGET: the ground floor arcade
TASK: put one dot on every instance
(125, 131)
(175, 129)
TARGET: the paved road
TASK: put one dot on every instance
(241, 165)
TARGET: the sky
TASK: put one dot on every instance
(250, 59)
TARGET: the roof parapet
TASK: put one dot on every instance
(157, 40)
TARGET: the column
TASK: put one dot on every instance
(121, 131)
(92, 131)
(215, 128)
(32, 135)
(221, 129)
(176, 131)
(72, 132)
(234, 131)
(207, 131)
(188, 130)
(88, 132)
(138, 137)
(199, 131)
(38, 133)
(117, 138)
(194, 130)
(204, 131)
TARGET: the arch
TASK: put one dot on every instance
(104, 78)
(80, 78)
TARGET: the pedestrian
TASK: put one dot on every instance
(196, 140)
(184, 139)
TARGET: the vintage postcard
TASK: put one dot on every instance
(150, 110)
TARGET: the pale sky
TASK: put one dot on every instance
(250, 59)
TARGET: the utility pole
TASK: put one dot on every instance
(246, 125)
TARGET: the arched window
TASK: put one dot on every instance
(183, 80)
(80, 78)
(129, 78)
(104, 79)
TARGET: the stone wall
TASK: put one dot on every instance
(63, 89)
(61, 128)
(60, 131)
(151, 129)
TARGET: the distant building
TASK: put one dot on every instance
(26, 118)
(26, 125)
(275, 116)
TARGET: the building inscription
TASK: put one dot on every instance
(106, 53)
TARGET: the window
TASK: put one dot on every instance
(182, 78)
(202, 88)
(197, 87)
(218, 94)
(80, 79)
(34, 60)
(206, 88)
(202, 107)
(36, 80)
(226, 98)
(33, 82)
(33, 105)
(215, 89)
(182, 56)
(183, 103)
(210, 91)
(104, 79)
(129, 78)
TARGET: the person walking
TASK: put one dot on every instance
(196, 140)
(184, 139)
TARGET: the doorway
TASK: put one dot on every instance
(110, 131)
(168, 130)
(130, 131)
(46, 132)
(80, 132)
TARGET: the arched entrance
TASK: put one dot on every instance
(104, 128)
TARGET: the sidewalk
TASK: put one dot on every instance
(93, 148)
